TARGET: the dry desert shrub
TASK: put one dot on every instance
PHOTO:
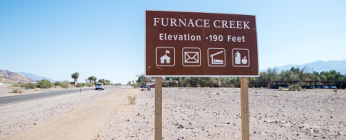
(65, 84)
(16, 90)
(211, 92)
(17, 85)
(30, 86)
(37, 89)
(281, 88)
(132, 99)
(89, 84)
(295, 87)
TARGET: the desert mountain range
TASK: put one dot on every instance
(319, 66)
(11, 77)
(35, 77)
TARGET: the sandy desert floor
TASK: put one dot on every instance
(21, 117)
(202, 113)
(193, 113)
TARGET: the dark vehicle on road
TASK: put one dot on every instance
(277, 86)
(143, 86)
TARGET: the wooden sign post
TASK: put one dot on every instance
(158, 108)
(244, 97)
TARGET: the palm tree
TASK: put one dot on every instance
(102, 81)
(90, 79)
(94, 79)
(107, 82)
(75, 77)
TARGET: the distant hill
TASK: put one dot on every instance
(319, 66)
(11, 77)
(34, 77)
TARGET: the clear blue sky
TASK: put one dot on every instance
(106, 39)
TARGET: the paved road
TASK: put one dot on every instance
(49, 93)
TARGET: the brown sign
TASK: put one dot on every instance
(200, 44)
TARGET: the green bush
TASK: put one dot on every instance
(117, 84)
(81, 85)
(30, 86)
(281, 88)
(136, 85)
(89, 84)
(57, 83)
(65, 84)
(52, 85)
(17, 85)
(44, 84)
(295, 87)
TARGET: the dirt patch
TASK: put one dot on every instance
(202, 114)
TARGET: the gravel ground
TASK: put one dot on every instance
(203, 113)
(17, 117)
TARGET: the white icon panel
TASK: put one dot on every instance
(165, 56)
(240, 57)
(191, 56)
(216, 57)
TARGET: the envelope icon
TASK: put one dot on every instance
(191, 57)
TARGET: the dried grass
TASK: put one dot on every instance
(281, 88)
(38, 90)
(16, 90)
(132, 99)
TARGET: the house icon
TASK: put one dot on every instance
(165, 58)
